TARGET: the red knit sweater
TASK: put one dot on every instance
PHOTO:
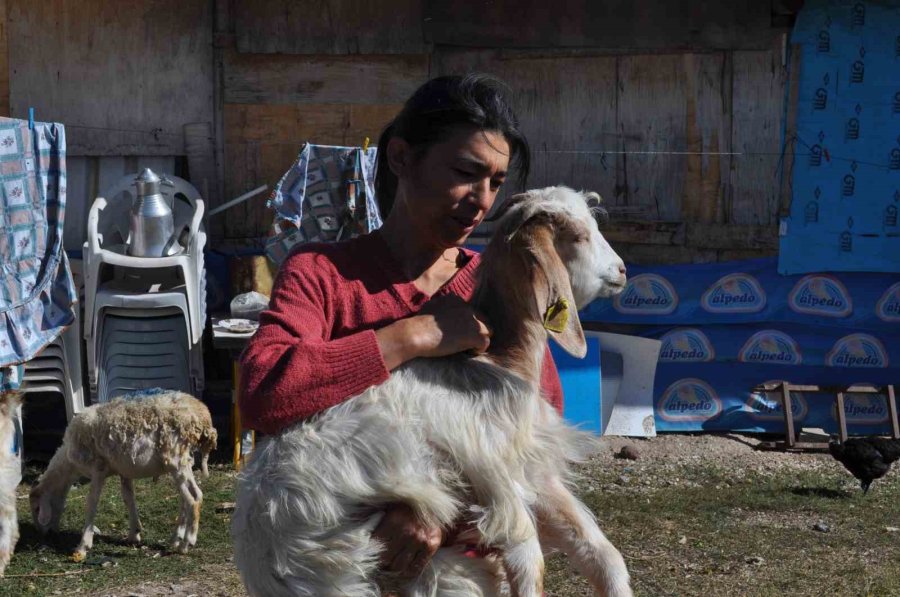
(316, 344)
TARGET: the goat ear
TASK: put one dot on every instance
(513, 217)
(553, 293)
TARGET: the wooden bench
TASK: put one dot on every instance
(791, 438)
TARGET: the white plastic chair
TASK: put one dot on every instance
(142, 348)
(107, 239)
(58, 369)
(115, 296)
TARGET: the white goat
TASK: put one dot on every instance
(10, 476)
(133, 439)
(449, 437)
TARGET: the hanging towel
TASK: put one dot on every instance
(37, 292)
(327, 195)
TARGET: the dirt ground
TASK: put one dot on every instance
(664, 463)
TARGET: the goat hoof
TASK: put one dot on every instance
(78, 557)
(135, 538)
(179, 546)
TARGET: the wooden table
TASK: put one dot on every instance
(242, 440)
(785, 389)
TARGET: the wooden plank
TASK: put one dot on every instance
(790, 131)
(566, 107)
(123, 88)
(648, 233)
(642, 25)
(324, 124)
(333, 27)
(758, 106)
(79, 196)
(262, 141)
(788, 415)
(673, 120)
(637, 254)
(743, 254)
(290, 79)
(841, 417)
(223, 45)
(892, 409)
(724, 236)
(4, 60)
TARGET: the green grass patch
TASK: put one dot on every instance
(113, 563)
(684, 530)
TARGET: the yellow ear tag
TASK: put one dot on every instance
(557, 316)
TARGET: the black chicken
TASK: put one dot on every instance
(867, 458)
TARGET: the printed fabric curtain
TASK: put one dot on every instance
(37, 292)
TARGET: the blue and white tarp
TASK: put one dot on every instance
(845, 186)
(728, 327)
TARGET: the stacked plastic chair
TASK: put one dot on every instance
(144, 316)
(57, 368)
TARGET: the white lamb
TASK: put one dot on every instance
(10, 476)
(133, 439)
(453, 437)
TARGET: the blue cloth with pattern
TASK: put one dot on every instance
(327, 195)
(845, 184)
(37, 292)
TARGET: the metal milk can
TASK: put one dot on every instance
(152, 220)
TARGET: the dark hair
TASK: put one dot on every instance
(436, 110)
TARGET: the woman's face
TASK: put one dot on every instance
(449, 190)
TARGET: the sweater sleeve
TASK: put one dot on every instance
(550, 383)
(292, 368)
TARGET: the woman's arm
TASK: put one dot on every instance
(446, 325)
(291, 368)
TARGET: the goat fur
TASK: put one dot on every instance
(453, 437)
(132, 439)
(10, 477)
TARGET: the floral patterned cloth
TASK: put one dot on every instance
(328, 194)
(37, 292)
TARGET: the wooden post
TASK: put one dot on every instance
(841, 416)
(788, 414)
(892, 409)
(236, 416)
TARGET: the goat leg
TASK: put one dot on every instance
(189, 512)
(524, 564)
(9, 526)
(566, 524)
(134, 521)
(98, 478)
(507, 523)
(197, 496)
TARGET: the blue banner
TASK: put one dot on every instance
(728, 327)
(845, 186)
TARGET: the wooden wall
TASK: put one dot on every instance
(671, 109)
(131, 81)
(124, 77)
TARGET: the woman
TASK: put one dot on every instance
(342, 316)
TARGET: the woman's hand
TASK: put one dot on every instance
(408, 543)
(445, 325)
